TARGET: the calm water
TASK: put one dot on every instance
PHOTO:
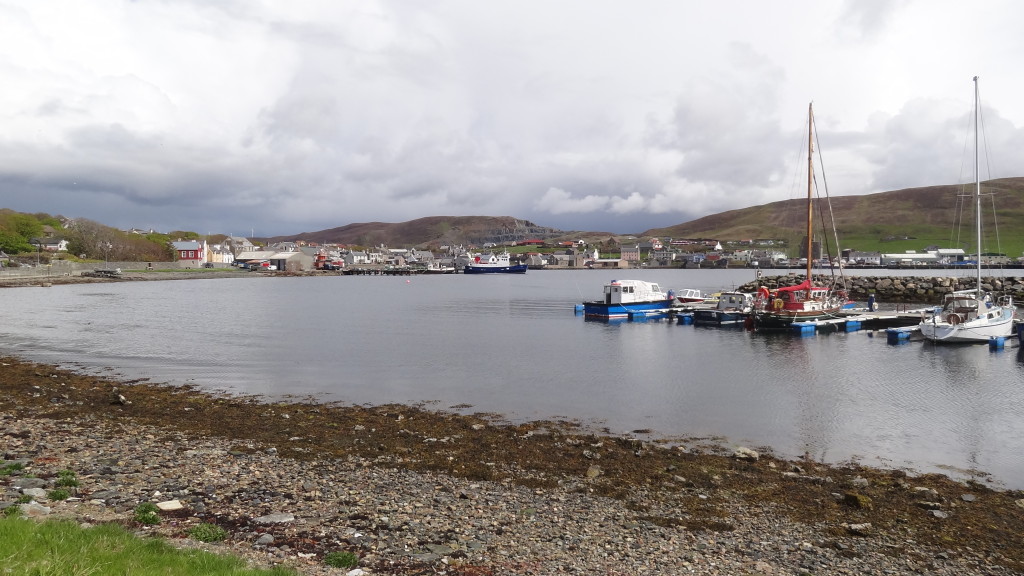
(511, 345)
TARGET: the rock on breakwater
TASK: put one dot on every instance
(903, 289)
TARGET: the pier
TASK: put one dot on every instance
(850, 320)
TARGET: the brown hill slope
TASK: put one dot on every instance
(923, 211)
(429, 231)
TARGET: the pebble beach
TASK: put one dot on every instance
(412, 491)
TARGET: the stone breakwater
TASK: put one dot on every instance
(908, 289)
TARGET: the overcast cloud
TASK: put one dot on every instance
(274, 118)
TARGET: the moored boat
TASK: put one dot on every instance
(623, 298)
(438, 267)
(971, 315)
(806, 302)
(490, 263)
(690, 296)
(733, 308)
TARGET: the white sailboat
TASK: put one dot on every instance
(971, 315)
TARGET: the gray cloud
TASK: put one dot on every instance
(235, 116)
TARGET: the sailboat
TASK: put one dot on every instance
(806, 302)
(971, 315)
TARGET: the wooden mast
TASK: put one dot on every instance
(810, 181)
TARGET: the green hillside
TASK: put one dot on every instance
(897, 221)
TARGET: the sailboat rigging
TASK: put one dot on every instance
(805, 302)
(971, 315)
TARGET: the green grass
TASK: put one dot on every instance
(340, 559)
(58, 494)
(208, 533)
(147, 513)
(9, 469)
(66, 478)
(65, 549)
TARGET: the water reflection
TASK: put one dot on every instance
(514, 346)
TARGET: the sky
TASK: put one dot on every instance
(267, 118)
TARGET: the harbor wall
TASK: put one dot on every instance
(917, 289)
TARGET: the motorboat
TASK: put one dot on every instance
(733, 308)
(626, 298)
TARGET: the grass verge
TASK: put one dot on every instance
(66, 549)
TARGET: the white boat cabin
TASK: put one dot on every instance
(967, 306)
(629, 291)
(500, 259)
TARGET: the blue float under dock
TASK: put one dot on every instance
(899, 335)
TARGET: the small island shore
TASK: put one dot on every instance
(416, 491)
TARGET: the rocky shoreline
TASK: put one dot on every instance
(133, 276)
(414, 491)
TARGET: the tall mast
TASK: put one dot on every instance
(810, 180)
(977, 181)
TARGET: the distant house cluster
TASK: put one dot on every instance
(654, 252)
(614, 252)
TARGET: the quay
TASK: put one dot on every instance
(854, 320)
(379, 271)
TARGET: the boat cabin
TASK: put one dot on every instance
(492, 258)
(741, 301)
(802, 297)
(964, 306)
(628, 291)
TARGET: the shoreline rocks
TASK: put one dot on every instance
(903, 289)
(415, 492)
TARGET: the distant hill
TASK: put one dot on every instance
(897, 221)
(431, 231)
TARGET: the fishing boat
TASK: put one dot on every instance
(733, 308)
(491, 263)
(626, 298)
(971, 315)
(777, 310)
(438, 267)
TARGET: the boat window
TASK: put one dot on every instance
(963, 305)
(654, 288)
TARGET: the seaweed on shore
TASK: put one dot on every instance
(659, 479)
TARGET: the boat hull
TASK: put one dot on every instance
(603, 311)
(967, 332)
(783, 321)
(485, 269)
(719, 317)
